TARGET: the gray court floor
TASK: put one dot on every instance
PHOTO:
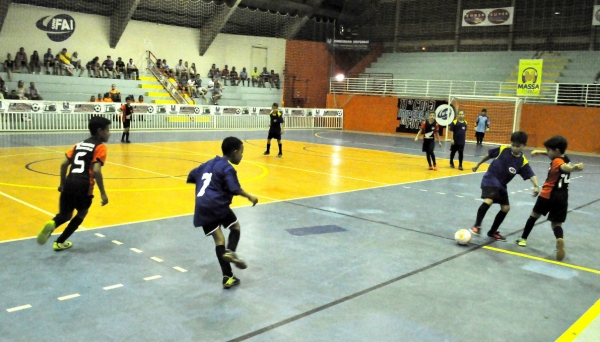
(371, 265)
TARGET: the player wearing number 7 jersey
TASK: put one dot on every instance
(76, 190)
(554, 198)
(216, 184)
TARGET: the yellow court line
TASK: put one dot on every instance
(585, 269)
(579, 326)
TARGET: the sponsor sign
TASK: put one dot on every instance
(260, 110)
(529, 82)
(189, 110)
(412, 112)
(58, 28)
(488, 16)
(143, 108)
(293, 112)
(348, 44)
(596, 16)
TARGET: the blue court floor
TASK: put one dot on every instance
(372, 265)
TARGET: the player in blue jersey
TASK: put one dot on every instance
(216, 184)
(482, 125)
(276, 129)
(507, 163)
(458, 128)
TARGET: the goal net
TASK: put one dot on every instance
(504, 114)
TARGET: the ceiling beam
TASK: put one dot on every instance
(301, 9)
(213, 26)
(120, 19)
(3, 11)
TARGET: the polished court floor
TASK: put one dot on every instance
(352, 240)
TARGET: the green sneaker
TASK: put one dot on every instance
(521, 242)
(232, 257)
(229, 282)
(45, 232)
(62, 246)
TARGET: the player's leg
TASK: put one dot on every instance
(268, 151)
(557, 216)
(234, 238)
(560, 242)
(452, 153)
(504, 209)
(461, 149)
(489, 194)
(541, 208)
(82, 203)
(432, 153)
(66, 207)
(280, 146)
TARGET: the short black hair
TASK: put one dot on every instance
(230, 144)
(275, 104)
(519, 137)
(484, 110)
(557, 142)
(97, 122)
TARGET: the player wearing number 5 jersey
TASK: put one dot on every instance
(554, 198)
(85, 160)
(216, 184)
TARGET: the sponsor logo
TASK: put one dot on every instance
(173, 109)
(97, 108)
(188, 110)
(474, 17)
(66, 106)
(529, 79)
(87, 108)
(444, 115)
(499, 16)
(161, 109)
(19, 107)
(231, 110)
(59, 28)
(512, 170)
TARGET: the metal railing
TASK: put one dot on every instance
(556, 93)
(176, 90)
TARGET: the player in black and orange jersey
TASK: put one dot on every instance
(554, 198)
(430, 130)
(127, 110)
(85, 160)
(276, 129)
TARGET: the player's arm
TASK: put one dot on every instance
(63, 172)
(571, 168)
(250, 197)
(451, 133)
(536, 152)
(536, 186)
(418, 133)
(282, 124)
(100, 182)
(483, 160)
(437, 134)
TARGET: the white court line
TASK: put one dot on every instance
(441, 193)
(136, 250)
(157, 259)
(152, 278)
(459, 196)
(17, 308)
(180, 269)
(117, 242)
(27, 204)
(112, 287)
(75, 295)
(422, 190)
(406, 187)
(99, 235)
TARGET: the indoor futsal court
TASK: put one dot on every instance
(352, 240)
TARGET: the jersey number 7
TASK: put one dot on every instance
(206, 180)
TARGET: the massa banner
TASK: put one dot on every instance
(488, 16)
(529, 80)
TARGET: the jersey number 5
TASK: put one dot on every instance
(205, 181)
(80, 163)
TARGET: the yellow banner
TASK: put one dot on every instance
(530, 77)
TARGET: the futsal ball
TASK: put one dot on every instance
(462, 237)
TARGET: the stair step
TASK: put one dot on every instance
(165, 101)
(151, 86)
(148, 78)
(156, 94)
(556, 60)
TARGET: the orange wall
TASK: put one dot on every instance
(580, 125)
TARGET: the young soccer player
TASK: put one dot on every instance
(482, 125)
(127, 110)
(508, 162)
(76, 190)
(216, 184)
(430, 130)
(276, 129)
(458, 133)
(554, 198)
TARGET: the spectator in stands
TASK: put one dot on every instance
(92, 99)
(274, 80)
(107, 98)
(13, 95)
(33, 93)
(211, 72)
(48, 61)
(264, 77)
(597, 77)
(194, 71)
(244, 77)
(115, 95)
(35, 63)
(217, 92)
(21, 60)
(9, 65)
(217, 74)
(99, 98)
(3, 90)
(132, 70)
(235, 78)
(225, 75)
(65, 61)
(159, 65)
(120, 67)
(76, 62)
(93, 67)
(166, 68)
(191, 86)
(108, 67)
(181, 70)
(57, 66)
(255, 76)
(21, 90)
(140, 100)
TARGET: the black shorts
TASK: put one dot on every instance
(126, 123)
(75, 196)
(428, 145)
(494, 193)
(457, 148)
(556, 207)
(227, 221)
(274, 135)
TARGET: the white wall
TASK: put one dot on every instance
(91, 38)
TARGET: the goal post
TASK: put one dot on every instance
(504, 114)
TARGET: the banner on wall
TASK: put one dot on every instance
(348, 44)
(596, 16)
(58, 28)
(412, 112)
(529, 80)
(488, 16)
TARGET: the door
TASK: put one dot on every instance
(258, 58)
